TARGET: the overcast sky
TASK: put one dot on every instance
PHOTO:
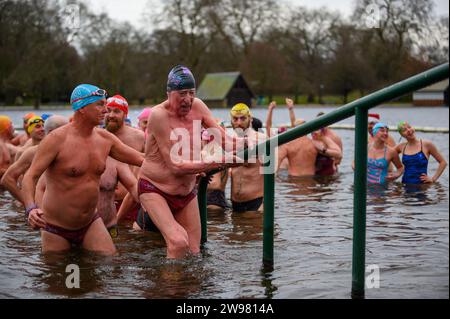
(131, 10)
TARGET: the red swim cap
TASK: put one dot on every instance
(119, 102)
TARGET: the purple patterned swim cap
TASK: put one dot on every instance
(180, 78)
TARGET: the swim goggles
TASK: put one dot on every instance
(99, 92)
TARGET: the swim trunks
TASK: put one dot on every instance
(75, 237)
(175, 202)
(216, 197)
(249, 206)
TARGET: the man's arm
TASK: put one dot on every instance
(127, 178)
(11, 176)
(269, 117)
(122, 152)
(332, 149)
(46, 153)
(290, 105)
(161, 131)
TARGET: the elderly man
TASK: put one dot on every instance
(167, 180)
(11, 177)
(247, 182)
(74, 158)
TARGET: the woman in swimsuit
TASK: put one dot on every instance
(416, 153)
(380, 156)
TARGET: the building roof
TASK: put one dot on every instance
(436, 87)
(215, 86)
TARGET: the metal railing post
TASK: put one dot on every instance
(202, 205)
(359, 204)
(269, 203)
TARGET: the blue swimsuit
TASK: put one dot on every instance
(377, 169)
(415, 165)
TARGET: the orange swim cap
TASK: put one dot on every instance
(5, 124)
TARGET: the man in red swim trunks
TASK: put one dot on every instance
(166, 186)
(74, 158)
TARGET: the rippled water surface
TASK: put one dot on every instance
(407, 237)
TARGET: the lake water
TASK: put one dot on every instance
(407, 238)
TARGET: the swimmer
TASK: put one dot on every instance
(7, 150)
(117, 112)
(12, 176)
(380, 155)
(36, 132)
(143, 118)
(74, 158)
(247, 182)
(167, 183)
(416, 153)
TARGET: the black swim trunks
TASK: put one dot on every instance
(250, 206)
(144, 221)
(217, 198)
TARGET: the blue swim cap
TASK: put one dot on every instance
(45, 116)
(85, 94)
(377, 127)
(180, 78)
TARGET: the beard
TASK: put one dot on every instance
(240, 130)
(113, 125)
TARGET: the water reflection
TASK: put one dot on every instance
(267, 276)
(54, 275)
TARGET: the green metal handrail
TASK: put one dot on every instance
(359, 107)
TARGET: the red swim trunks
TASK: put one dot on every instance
(75, 237)
(175, 202)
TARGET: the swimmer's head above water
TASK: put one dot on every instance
(406, 130)
(181, 89)
(241, 117)
(180, 78)
(34, 122)
(6, 127)
(381, 128)
(85, 94)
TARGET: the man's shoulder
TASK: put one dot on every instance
(31, 150)
(135, 132)
(159, 111)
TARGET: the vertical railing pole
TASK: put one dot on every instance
(269, 205)
(202, 205)
(359, 205)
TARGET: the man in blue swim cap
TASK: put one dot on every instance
(74, 157)
(167, 179)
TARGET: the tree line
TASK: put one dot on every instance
(46, 50)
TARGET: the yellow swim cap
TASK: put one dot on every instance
(32, 122)
(240, 109)
(5, 124)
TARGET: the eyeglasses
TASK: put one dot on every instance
(99, 92)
